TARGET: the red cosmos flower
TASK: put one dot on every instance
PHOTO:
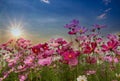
(36, 49)
(44, 46)
(90, 47)
(111, 45)
(40, 48)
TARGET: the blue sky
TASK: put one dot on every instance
(44, 19)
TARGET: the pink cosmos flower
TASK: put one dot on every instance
(45, 61)
(111, 59)
(112, 37)
(90, 72)
(117, 51)
(99, 40)
(6, 74)
(22, 43)
(29, 60)
(82, 38)
(53, 43)
(11, 62)
(60, 41)
(22, 77)
(108, 58)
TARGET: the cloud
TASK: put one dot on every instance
(106, 2)
(104, 14)
(107, 10)
(46, 1)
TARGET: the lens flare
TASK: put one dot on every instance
(16, 32)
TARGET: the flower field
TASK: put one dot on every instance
(87, 56)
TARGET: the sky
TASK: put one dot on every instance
(41, 20)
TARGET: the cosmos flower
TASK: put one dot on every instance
(36, 49)
(70, 57)
(11, 62)
(82, 38)
(22, 77)
(23, 43)
(99, 40)
(110, 46)
(117, 75)
(29, 60)
(112, 37)
(97, 26)
(111, 59)
(90, 72)
(91, 60)
(73, 32)
(60, 41)
(53, 44)
(44, 46)
(82, 78)
(82, 30)
(90, 47)
(74, 23)
(45, 61)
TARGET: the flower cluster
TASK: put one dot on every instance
(87, 54)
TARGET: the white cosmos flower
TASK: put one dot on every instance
(117, 75)
(82, 78)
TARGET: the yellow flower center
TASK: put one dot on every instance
(31, 60)
(82, 80)
(81, 31)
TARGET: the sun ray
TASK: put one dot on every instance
(16, 29)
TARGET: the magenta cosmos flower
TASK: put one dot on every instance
(110, 46)
(90, 47)
(70, 57)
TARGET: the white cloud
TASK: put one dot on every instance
(45, 1)
(107, 2)
(102, 16)
(107, 10)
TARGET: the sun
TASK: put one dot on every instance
(16, 29)
(16, 32)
